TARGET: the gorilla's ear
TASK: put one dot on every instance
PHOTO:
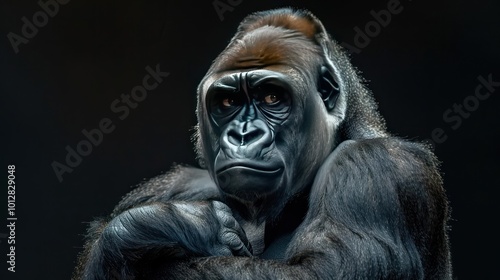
(328, 88)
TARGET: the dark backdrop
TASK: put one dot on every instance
(64, 78)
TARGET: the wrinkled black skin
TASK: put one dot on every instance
(316, 187)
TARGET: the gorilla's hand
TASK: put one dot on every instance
(175, 230)
(215, 227)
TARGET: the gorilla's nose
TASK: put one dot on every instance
(249, 133)
(245, 135)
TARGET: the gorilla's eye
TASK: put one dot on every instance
(271, 95)
(228, 102)
(271, 99)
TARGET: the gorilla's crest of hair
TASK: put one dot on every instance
(300, 21)
(271, 38)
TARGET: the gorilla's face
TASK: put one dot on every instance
(263, 122)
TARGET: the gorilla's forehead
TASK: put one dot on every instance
(253, 78)
(282, 75)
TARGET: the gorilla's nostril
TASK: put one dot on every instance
(234, 138)
(251, 136)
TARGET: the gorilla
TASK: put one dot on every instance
(298, 177)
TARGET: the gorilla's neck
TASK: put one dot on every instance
(258, 210)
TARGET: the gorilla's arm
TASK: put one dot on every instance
(175, 215)
(376, 212)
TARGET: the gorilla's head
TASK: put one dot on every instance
(270, 107)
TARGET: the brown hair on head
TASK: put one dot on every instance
(267, 46)
(287, 18)
(272, 37)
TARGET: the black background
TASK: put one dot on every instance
(64, 79)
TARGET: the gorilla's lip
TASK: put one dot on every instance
(250, 166)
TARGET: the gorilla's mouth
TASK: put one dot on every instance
(251, 167)
(249, 178)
